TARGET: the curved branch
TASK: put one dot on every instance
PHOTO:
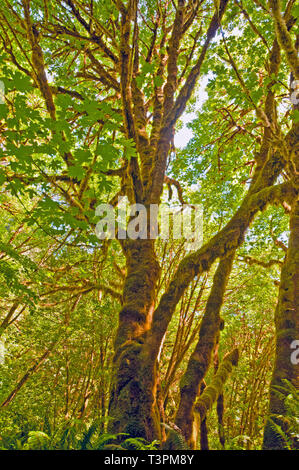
(221, 245)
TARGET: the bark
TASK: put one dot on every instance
(220, 246)
(8, 319)
(204, 434)
(139, 290)
(38, 61)
(220, 411)
(200, 359)
(141, 329)
(132, 402)
(287, 331)
(214, 390)
(206, 400)
(133, 398)
(284, 37)
(204, 440)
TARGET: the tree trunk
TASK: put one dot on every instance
(200, 359)
(132, 403)
(287, 331)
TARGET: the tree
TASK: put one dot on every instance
(95, 91)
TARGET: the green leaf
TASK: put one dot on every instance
(77, 172)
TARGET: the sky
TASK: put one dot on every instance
(183, 136)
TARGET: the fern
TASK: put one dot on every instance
(290, 395)
(138, 443)
(175, 438)
(85, 442)
(107, 439)
(37, 440)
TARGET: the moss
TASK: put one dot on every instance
(284, 37)
(202, 355)
(286, 330)
(211, 393)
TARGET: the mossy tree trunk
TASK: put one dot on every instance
(133, 407)
(200, 359)
(142, 324)
(134, 388)
(286, 368)
(211, 393)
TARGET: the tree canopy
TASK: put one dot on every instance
(131, 341)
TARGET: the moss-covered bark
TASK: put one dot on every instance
(211, 393)
(287, 330)
(139, 290)
(284, 37)
(132, 404)
(133, 398)
(204, 433)
(200, 359)
(141, 328)
(204, 403)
